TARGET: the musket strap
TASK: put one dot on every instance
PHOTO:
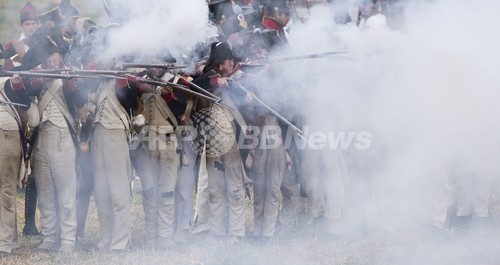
(55, 91)
(234, 112)
(164, 109)
(229, 102)
(115, 106)
(189, 105)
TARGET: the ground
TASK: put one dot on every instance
(421, 246)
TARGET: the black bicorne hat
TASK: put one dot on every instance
(219, 52)
(281, 5)
(43, 43)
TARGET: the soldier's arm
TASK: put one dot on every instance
(210, 81)
(20, 89)
(72, 93)
(129, 91)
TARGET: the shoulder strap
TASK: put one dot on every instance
(55, 90)
(115, 106)
(164, 109)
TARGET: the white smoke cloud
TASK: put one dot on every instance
(426, 91)
(158, 27)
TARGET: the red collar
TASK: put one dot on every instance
(235, 69)
(271, 23)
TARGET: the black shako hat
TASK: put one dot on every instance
(51, 12)
(28, 12)
(219, 52)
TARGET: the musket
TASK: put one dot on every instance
(202, 90)
(252, 65)
(178, 87)
(271, 110)
(214, 100)
(142, 65)
(263, 64)
(44, 75)
(85, 72)
(302, 57)
(13, 103)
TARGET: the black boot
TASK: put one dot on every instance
(30, 199)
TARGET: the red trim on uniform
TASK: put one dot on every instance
(17, 86)
(235, 69)
(270, 23)
(8, 46)
(121, 83)
(213, 81)
(169, 97)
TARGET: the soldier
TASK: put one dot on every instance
(54, 154)
(224, 162)
(182, 105)
(267, 173)
(222, 16)
(463, 195)
(50, 16)
(117, 103)
(10, 157)
(276, 17)
(112, 174)
(14, 51)
(367, 9)
(157, 162)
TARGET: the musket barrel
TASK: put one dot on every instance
(273, 112)
(45, 75)
(301, 57)
(78, 71)
(102, 72)
(202, 90)
(178, 87)
(13, 103)
(164, 66)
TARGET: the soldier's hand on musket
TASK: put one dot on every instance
(222, 81)
(155, 72)
(165, 90)
(249, 96)
(68, 83)
(16, 81)
(66, 73)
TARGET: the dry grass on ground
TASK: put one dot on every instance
(413, 247)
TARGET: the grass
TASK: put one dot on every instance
(307, 247)
(9, 14)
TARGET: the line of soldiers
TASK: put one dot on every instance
(216, 136)
(92, 133)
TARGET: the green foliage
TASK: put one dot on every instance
(9, 14)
